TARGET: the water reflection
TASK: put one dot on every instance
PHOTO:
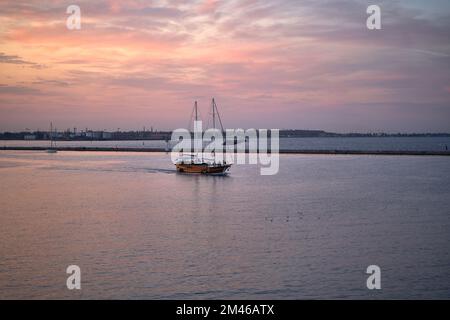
(138, 229)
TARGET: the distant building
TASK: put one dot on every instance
(106, 135)
(94, 134)
(29, 137)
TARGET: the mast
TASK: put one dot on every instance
(214, 113)
(196, 112)
(196, 119)
(216, 110)
(51, 134)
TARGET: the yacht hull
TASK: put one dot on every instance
(202, 168)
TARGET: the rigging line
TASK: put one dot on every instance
(199, 114)
(218, 115)
(190, 119)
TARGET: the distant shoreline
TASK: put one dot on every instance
(90, 135)
(328, 152)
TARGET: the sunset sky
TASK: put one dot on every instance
(305, 64)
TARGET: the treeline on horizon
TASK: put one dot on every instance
(89, 135)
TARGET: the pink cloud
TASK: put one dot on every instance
(296, 63)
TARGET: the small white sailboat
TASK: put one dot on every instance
(52, 148)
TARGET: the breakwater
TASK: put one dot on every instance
(329, 152)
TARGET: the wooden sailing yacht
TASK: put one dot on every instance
(193, 164)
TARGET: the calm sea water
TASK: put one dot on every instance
(365, 144)
(137, 229)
